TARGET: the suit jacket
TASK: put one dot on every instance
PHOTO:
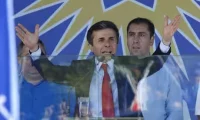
(79, 75)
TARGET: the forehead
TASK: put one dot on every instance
(141, 27)
(104, 33)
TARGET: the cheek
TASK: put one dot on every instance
(145, 42)
(114, 45)
(115, 48)
(96, 50)
(129, 42)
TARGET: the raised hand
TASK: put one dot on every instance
(29, 39)
(170, 28)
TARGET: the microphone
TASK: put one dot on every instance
(104, 59)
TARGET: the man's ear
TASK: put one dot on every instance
(152, 40)
(91, 47)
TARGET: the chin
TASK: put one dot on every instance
(108, 55)
(135, 54)
(36, 77)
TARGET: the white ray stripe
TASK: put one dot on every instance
(82, 57)
(54, 14)
(179, 59)
(122, 40)
(85, 38)
(197, 5)
(71, 39)
(147, 7)
(23, 12)
(117, 4)
(3, 110)
(87, 54)
(180, 63)
(159, 36)
(154, 46)
(14, 96)
(182, 12)
(75, 14)
(66, 31)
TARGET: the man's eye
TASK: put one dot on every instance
(142, 35)
(100, 40)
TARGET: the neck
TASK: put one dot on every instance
(143, 56)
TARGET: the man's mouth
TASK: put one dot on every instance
(107, 52)
(136, 48)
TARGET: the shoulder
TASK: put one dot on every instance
(57, 87)
(82, 64)
(84, 61)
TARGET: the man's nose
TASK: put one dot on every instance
(136, 39)
(107, 44)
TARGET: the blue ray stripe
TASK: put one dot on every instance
(52, 37)
(39, 17)
(194, 24)
(109, 3)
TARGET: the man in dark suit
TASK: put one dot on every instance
(140, 38)
(88, 76)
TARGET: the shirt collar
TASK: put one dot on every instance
(98, 64)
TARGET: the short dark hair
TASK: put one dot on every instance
(21, 45)
(146, 21)
(100, 26)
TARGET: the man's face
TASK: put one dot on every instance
(29, 72)
(139, 40)
(104, 42)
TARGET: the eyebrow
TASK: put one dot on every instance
(136, 32)
(104, 37)
(131, 32)
(101, 38)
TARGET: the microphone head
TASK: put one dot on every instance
(104, 59)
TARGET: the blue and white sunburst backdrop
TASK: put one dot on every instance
(64, 23)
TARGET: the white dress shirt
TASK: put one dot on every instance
(95, 95)
(164, 48)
